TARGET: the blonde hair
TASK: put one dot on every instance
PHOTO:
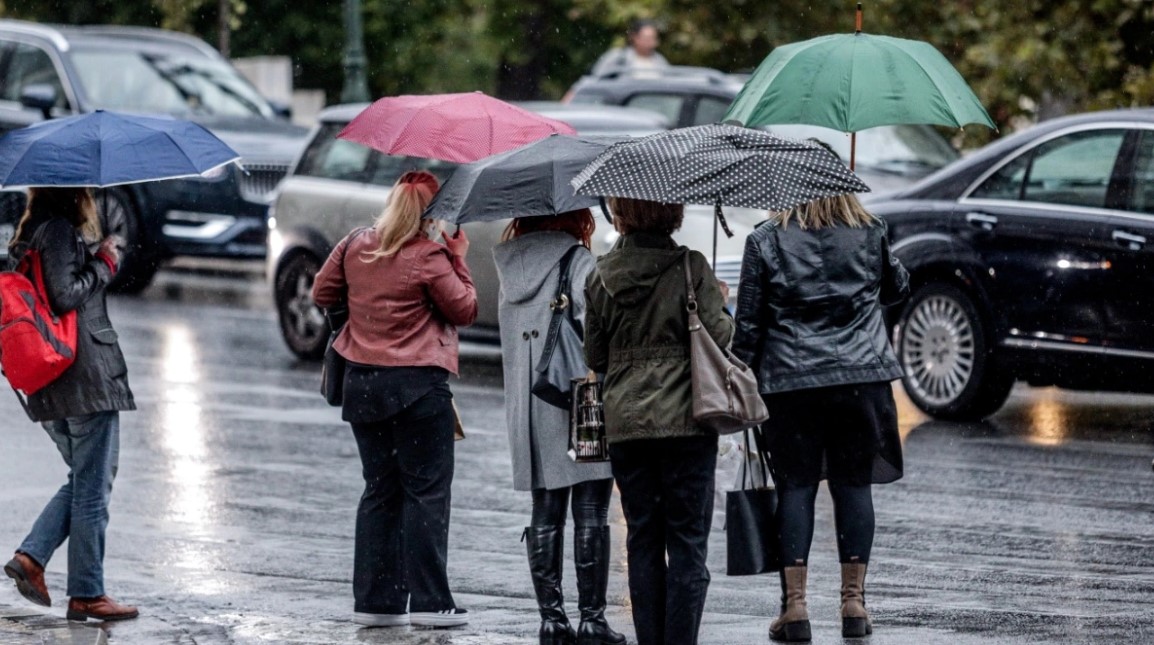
(401, 219)
(840, 210)
(73, 204)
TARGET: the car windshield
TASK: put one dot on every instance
(901, 149)
(164, 83)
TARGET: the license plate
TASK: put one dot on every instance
(6, 233)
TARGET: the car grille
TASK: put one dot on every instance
(257, 184)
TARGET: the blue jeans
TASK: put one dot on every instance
(78, 512)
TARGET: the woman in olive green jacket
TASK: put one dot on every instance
(636, 334)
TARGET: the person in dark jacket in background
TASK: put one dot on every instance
(406, 295)
(810, 322)
(636, 333)
(81, 409)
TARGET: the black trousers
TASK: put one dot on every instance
(402, 535)
(590, 504)
(666, 488)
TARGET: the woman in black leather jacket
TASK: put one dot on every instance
(814, 282)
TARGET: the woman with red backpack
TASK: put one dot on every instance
(80, 409)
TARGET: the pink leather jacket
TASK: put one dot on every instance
(403, 310)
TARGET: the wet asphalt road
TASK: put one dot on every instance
(232, 517)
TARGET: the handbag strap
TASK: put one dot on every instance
(690, 292)
(560, 305)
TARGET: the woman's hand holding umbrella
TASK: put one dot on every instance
(458, 243)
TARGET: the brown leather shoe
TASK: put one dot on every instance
(29, 577)
(101, 608)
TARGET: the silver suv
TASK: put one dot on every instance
(336, 186)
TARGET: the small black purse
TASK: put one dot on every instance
(563, 358)
(333, 365)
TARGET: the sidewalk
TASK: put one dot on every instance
(20, 626)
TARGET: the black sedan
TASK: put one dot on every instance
(1032, 260)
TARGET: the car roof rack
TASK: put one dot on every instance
(714, 76)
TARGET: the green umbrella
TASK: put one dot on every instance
(851, 82)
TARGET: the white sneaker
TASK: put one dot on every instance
(445, 618)
(380, 620)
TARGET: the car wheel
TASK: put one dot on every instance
(118, 217)
(950, 370)
(302, 324)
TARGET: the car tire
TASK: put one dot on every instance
(118, 216)
(951, 371)
(305, 330)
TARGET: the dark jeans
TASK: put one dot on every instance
(402, 537)
(666, 488)
(590, 504)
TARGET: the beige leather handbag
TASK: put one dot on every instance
(725, 395)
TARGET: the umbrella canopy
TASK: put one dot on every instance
(101, 149)
(851, 82)
(451, 127)
(721, 165)
(523, 182)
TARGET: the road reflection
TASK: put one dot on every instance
(183, 443)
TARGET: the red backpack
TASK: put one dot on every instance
(36, 345)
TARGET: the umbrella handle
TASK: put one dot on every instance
(605, 210)
(721, 218)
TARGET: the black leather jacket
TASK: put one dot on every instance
(75, 280)
(810, 306)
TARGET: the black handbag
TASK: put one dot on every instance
(333, 365)
(750, 526)
(563, 358)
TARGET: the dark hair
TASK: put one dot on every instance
(644, 216)
(637, 25)
(73, 204)
(578, 223)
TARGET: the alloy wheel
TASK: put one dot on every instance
(938, 349)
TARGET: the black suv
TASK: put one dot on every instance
(888, 157)
(1033, 260)
(49, 71)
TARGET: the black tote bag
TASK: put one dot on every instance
(750, 528)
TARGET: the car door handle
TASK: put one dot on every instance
(1129, 240)
(982, 221)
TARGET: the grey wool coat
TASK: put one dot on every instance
(528, 267)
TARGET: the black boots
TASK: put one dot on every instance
(591, 554)
(546, 546)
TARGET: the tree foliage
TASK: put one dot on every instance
(1024, 59)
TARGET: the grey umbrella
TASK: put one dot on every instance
(719, 165)
(528, 181)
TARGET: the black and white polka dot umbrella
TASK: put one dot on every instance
(720, 165)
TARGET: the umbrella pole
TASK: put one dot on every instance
(857, 19)
(852, 148)
(715, 224)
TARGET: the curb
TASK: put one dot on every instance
(24, 627)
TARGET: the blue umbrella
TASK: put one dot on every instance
(103, 149)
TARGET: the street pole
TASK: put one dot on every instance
(224, 27)
(356, 88)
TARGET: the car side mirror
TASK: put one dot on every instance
(283, 110)
(39, 96)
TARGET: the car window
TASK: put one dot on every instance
(175, 83)
(28, 65)
(1142, 194)
(331, 158)
(709, 110)
(667, 105)
(1073, 170)
(387, 169)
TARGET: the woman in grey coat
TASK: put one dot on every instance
(80, 410)
(528, 263)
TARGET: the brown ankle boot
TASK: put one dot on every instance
(99, 608)
(29, 577)
(792, 626)
(855, 620)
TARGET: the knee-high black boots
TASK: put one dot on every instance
(546, 547)
(591, 555)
